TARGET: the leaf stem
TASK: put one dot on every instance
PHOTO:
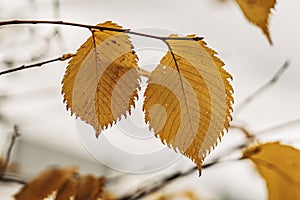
(245, 131)
(101, 28)
(144, 72)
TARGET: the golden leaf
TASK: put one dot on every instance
(279, 165)
(101, 81)
(188, 100)
(258, 12)
(42, 186)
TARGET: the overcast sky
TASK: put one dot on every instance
(36, 103)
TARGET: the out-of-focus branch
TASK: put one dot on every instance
(5, 177)
(150, 189)
(288, 124)
(62, 58)
(14, 136)
(12, 179)
(245, 131)
(263, 88)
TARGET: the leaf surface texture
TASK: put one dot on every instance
(188, 99)
(101, 81)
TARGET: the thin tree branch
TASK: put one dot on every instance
(4, 177)
(245, 131)
(62, 58)
(8, 179)
(101, 28)
(150, 189)
(280, 126)
(263, 88)
(14, 136)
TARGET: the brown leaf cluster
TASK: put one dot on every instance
(64, 183)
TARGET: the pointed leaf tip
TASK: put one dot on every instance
(258, 12)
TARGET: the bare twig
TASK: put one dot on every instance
(12, 179)
(47, 39)
(279, 126)
(150, 189)
(252, 135)
(14, 136)
(263, 88)
(56, 9)
(62, 58)
(245, 131)
(5, 177)
(101, 28)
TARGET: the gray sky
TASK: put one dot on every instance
(36, 102)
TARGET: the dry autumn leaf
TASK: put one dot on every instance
(66, 183)
(279, 165)
(101, 81)
(44, 184)
(188, 100)
(258, 12)
(67, 190)
(89, 188)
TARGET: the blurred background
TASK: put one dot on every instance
(32, 98)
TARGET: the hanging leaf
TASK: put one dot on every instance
(66, 183)
(279, 165)
(258, 12)
(188, 99)
(101, 81)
